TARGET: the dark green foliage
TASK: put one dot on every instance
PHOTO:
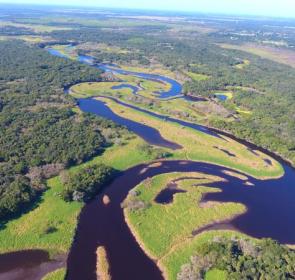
(146, 45)
(156, 153)
(269, 97)
(15, 196)
(85, 184)
(242, 259)
(271, 86)
(49, 136)
(37, 125)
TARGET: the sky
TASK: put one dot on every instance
(278, 8)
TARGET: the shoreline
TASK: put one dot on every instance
(278, 157)
(241, 141)
(202, 230)
(226, 133)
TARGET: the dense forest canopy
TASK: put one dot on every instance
(38, 128)
(85, 184)
(264, 87)
(241, 259)
(33, 107)
(43, 133)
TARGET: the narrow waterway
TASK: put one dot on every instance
(175, 88)
(149, 134)
(270, 204)
(92, 105)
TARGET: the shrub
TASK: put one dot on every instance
(155, 153)
(133, 203)
(242, 259)
(48, 229)
(85, 184)
(16, 196)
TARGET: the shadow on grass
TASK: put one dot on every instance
(38, 199)
(28, 207)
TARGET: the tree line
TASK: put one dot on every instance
(40, 133)
(241, 259)
(263, 87)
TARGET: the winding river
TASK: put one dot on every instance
(270, 203)
(174, 91)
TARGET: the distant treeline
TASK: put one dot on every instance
(263, 87)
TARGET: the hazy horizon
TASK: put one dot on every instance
(229, 7)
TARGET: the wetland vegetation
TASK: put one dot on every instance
(188, 193)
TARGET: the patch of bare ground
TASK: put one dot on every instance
(249, 184)
(235, 174)
(211, 107)
(291, 246)
(280, 55)
(102, 264)
(106, 200)
(155, 164)
(209, 204)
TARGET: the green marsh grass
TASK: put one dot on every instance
(29, 230)
(58, 274)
